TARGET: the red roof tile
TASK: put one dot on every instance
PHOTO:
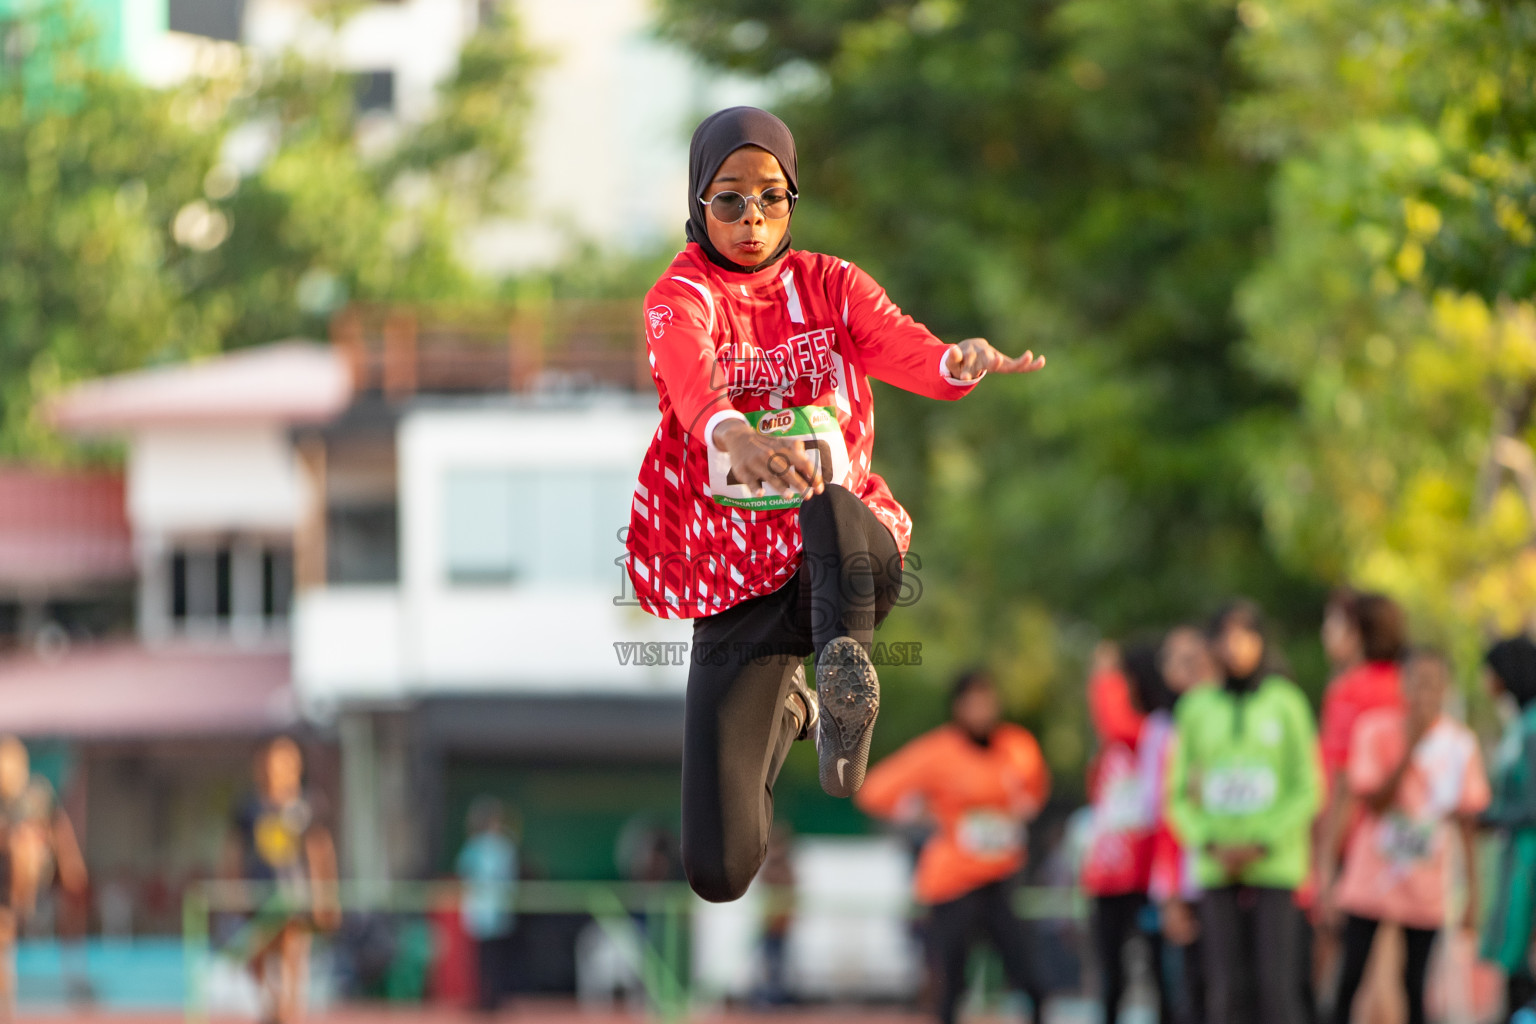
(125, 690)
(62, 529)
(285, 382)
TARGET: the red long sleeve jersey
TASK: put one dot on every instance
(809, 330)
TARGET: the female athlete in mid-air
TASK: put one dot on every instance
(756, 514)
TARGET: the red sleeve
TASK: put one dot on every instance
(1114, 717)
(1371, 757)
(892, 346)
(1338, 720)
(1167, 880)
(680, 325)
(904, 774)
(1167, 877)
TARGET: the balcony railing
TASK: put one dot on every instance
(401, 351)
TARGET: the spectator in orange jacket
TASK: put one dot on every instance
(980, 781)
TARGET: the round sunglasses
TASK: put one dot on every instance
(730, 207)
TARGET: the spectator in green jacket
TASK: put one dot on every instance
(1243, 787)
(1511, 675)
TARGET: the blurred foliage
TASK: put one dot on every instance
(1050, 174)
(1279, 253)
(1396, 300)
(592, 272)
(140, 225)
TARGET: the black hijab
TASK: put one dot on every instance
(717, 137)
(1514, 662)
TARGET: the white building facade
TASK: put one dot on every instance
(613, 105)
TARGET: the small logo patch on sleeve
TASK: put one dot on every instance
(659, 317)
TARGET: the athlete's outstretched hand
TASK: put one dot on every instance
(975, 356)
(762, 461)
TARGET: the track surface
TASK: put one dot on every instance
(544, 1013)
(525, 1015)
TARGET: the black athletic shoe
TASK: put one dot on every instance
(849, 695)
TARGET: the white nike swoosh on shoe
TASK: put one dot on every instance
(842, 763)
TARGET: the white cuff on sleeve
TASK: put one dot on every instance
(944, 369)
(716, 420)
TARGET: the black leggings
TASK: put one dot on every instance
(736, 729)
(1243, 928)
(1192, 982)
(1359, 932)
(1116, 920)
(1519, 990)
(954, 926)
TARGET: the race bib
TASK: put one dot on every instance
(1403, 841)
(813, 427)
(1122, 804)
(989, 834)
(1239, 789)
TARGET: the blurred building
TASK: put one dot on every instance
(66, 561)
(606, 86)
(150, 652)
(406, 545)
(461, 612)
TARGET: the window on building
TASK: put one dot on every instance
(376, 92)
(362, 543)
(213, 19)
(213, 585)
(538, 525)
(276, 583)
(200, 585)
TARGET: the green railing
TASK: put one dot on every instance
(658, 948)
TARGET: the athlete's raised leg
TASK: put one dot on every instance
(852, 575)
(741, 715)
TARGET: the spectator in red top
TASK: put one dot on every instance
(756, 512)
(1365, 637)
(1123, 789)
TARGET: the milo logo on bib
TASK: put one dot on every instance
(776, 423)
(813, 427)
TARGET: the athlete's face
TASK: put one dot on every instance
(1341, 640)
(1187, 660)
(978, 711)
(750, 240)
(1425, 680)
(15, 768)
(284, 770)
(1242, 648)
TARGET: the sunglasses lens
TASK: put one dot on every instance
(727, 207)
(776, 203)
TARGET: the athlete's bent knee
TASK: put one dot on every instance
(715, 882)
(827, 503)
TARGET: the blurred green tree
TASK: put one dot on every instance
(1051, 174)
(1397, 299)
(140, 224)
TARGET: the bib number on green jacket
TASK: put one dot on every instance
(813, 427)
(1239, 789)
